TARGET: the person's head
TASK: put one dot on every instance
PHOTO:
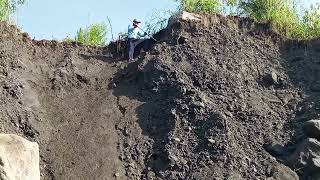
(136, 23)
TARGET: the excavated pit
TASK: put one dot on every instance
(205, 102)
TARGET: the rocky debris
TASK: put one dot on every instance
(312, 129)
(116, 175)
(270, 79)
(19, 158)
(211, 141)
(234, 176)
(212, 101)
(282, 172)
(306, 158)
(151, 175)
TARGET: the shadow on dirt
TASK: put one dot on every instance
(303, 68)
(154, 115)
(302, 64)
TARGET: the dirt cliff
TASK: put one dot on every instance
(222, 98)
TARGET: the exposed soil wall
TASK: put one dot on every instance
(208, 101)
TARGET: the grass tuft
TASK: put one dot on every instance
(94, 35)
(282, 14)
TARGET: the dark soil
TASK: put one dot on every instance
(205, 102)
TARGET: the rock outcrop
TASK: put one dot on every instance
(312, 129)
(19, 158)
(306, 157)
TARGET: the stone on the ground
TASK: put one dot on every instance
(190, 16)
(271, 79)
(282, 172)
(312, 129)
(306, 156)
(19, 158)
(234, 176)
(184, 16)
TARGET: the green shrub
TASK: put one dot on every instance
(4, 10)
(94, 35)
(311, 21)
(8, 7)
(279, 13)
(284, 17)
(208, 6)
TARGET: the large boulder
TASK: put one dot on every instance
(312, 129)
(306, 157)
(183, 16)
(19, 158)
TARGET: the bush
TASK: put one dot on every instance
(283, 17)
(311, 21)
(282, 14)
(8, 7)
(208, 6)
(94, 35)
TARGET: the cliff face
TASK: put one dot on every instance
(216, 98)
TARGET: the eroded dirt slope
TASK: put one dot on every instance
(216, 95)
(204, 103)
(56, 94)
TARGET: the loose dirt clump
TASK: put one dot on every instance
(222, 98)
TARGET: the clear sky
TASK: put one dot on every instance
(57, 19)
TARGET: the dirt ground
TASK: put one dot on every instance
(204, 103)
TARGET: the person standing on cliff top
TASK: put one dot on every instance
(134, 37)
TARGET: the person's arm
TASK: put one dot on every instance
(141, 33)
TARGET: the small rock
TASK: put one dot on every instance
(177, 139)
(117, 175)
(151, 175)
(173, 158)
(234, 176)
(211, 141)
(183, 161)
(199, 104)
(229, 114)
(271, 79)
(184, 90)
(173, 112)
(132, 164)
(122, 158)
(312, 129)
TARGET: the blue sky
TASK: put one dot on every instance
(57, 19)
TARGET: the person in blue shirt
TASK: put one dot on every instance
(134, 37)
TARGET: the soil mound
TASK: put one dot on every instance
(220, 98)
